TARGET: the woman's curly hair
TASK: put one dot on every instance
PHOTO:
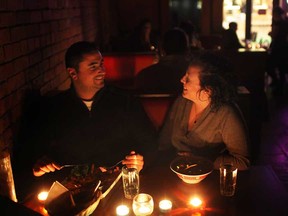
(217, 77)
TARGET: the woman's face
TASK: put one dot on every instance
(191, 85)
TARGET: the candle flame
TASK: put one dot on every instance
(165, 204)
(122, 210)
(42, 196)
(196, 202)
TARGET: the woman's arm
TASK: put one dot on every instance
(235, 137)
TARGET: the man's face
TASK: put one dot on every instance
(91, 72)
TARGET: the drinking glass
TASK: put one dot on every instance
(130, 177)
(228, 177)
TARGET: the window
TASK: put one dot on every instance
(261, 18)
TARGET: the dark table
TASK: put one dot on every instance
(258, 192)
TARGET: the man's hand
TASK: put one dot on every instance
(45, 165)
(134, 160)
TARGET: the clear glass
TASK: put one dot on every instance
(143, 204)
(131, 182)
(7, 187)
(228, 178)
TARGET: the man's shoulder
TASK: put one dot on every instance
(58, 98)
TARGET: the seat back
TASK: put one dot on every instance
(157, 106)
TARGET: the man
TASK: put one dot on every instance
(278, 50)
(92, 122)
(230, 39)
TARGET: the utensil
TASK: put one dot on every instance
(190, 166)
(72, 165)
(97, 186)
(115, 165)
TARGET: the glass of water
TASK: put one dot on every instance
(228, 178)
(131, 182)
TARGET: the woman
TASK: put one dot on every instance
(205, 121)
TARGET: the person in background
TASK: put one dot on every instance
(163, 76)
(278, 50)
(92, 122)
(205, 121)
(230, 39)
(143, 39)
(193, 38)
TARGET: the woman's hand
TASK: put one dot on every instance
(45, 165)
(134, 160)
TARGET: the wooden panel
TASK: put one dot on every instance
(157, 106)
(125, 66)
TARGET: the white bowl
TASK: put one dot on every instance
(191, 169)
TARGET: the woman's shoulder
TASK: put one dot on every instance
(179, 105)
(229, 110)
(181, 100)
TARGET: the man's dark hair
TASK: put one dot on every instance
(175, 42)
(74, 54)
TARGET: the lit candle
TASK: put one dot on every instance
(165, 205)
(42, 196)
(196, 202)
(122, 210)
(144, 209)
(143, 204)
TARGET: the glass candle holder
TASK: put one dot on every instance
(143, 204)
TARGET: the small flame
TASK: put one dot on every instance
(196, 202)
(42, 196)
(122, 210)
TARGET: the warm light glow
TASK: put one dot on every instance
(196, 202)
(42, 196)
(122, 210)
(165, 205)
(144, 209)
(43, 211)
(143, 204)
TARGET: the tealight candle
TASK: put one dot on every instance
(143, 210)
(122, 210)
(165, 205)
(196, 202)
(42, 196)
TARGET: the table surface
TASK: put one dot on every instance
(258, 192)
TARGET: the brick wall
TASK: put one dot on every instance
(34, 35)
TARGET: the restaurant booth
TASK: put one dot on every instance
(258, 191)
